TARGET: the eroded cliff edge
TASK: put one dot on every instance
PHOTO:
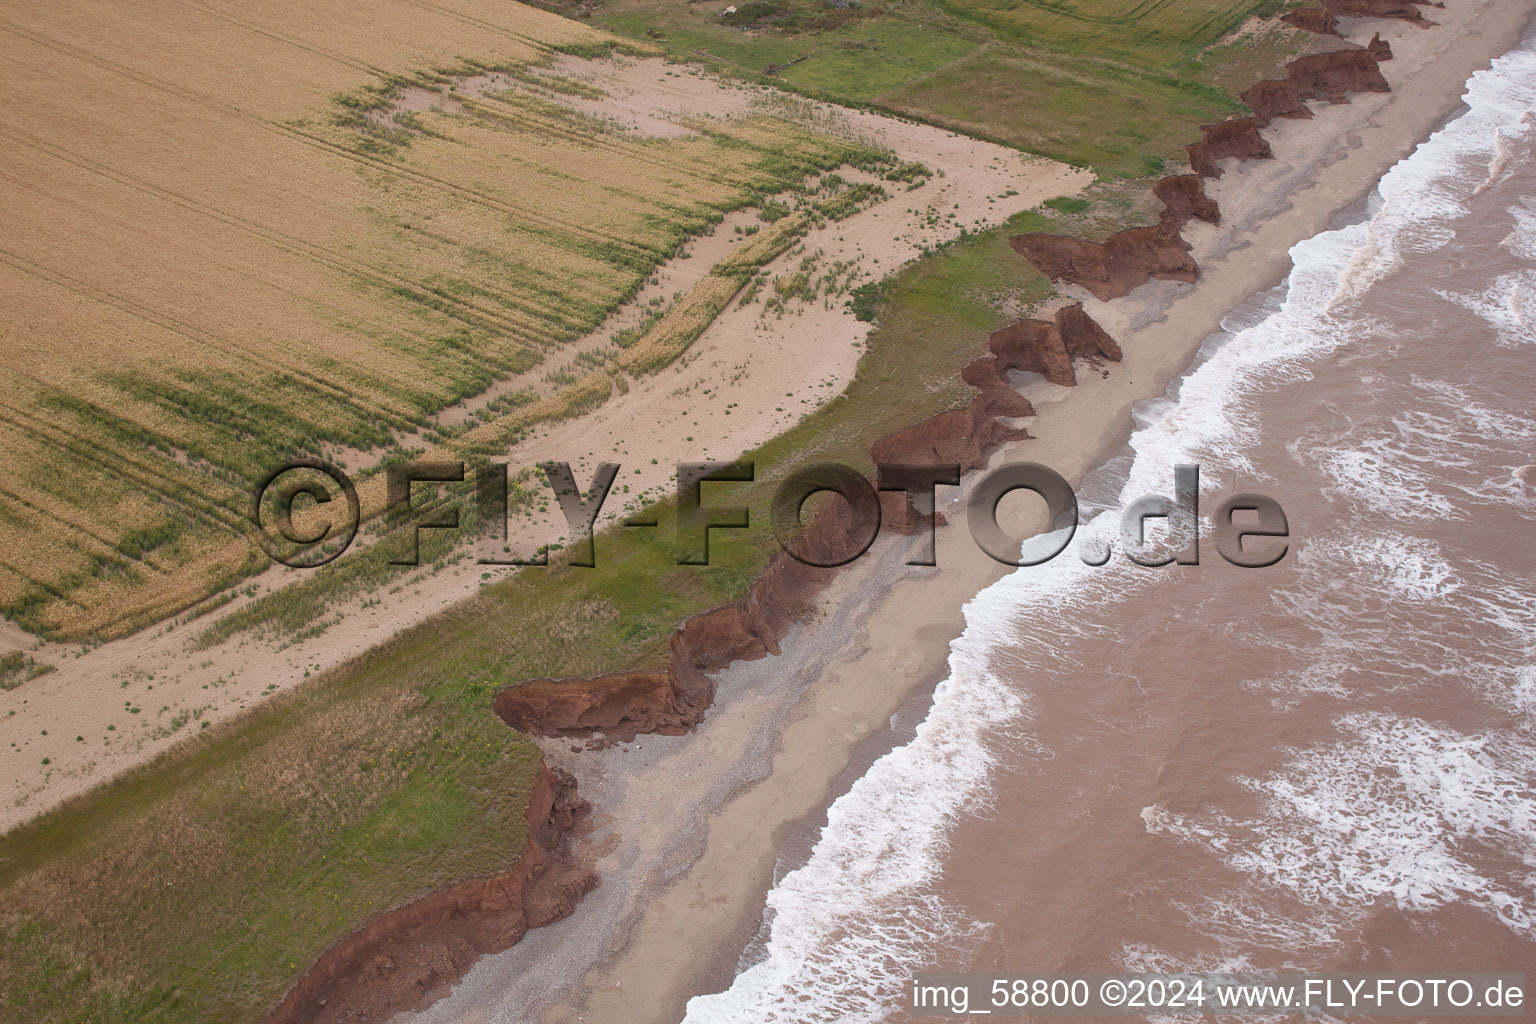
(1128, 259)
(404, 958)
(618, 706)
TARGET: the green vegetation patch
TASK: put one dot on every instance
(1122, 122)
(1118, 85)
(199, 887)
(17, 668)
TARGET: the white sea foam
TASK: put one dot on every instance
(1423, 196)
(1412, 567)
(1508, 305)
(864, 905)
(1399, 810)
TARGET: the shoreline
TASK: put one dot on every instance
(877, 644)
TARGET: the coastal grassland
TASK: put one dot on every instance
(199, 886)
(232, 239)
(1121, 121)
(1113, 84)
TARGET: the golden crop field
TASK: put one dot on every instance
(225, 243)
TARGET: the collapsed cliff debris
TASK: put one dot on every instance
(1183, 198)
(1324, 76)
(1114, 267)
(405, 958)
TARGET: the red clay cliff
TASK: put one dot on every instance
(1235, 137)
(1115, 267)
(404, 958)
(1183, 198)
(1322, 76)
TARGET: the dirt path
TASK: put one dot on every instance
(115, 706)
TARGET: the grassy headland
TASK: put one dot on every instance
(1110, 84)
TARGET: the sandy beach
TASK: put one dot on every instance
(688, 832)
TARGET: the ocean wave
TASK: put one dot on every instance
(1508, 306)
(1422, 197)
(1400, 810)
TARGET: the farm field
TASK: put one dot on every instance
(229, 241)
(1112, 84)
(228, 864)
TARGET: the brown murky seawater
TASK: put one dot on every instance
(1328, 764)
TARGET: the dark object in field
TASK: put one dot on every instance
(774, 69)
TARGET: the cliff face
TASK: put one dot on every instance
(1322, 76)
(1314, 19)
(1271, 99)
(619, 706)
(404, 958)
(1048, 347)
(1403, 10)
(1083, 336)
(997, 398)
(1034, 346)
(1235, 137)
(962, 437)
(1114, 267)
(1325, 20)
(1333, 76)
(1183, 198)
